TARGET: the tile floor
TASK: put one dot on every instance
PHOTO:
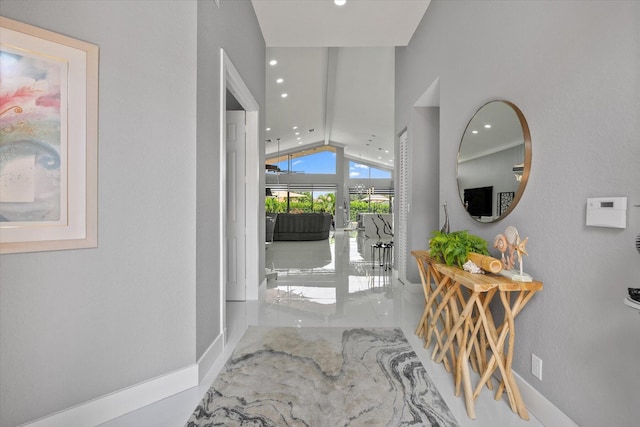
(329, 283)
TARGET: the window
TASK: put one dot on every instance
(301, 198)
(319, 160)
(362, 171)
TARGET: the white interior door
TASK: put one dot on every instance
(236, 206)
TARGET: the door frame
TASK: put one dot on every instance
(231, 80)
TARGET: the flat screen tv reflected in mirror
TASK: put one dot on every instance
(479, 201)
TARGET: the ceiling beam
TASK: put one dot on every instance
(330, 94)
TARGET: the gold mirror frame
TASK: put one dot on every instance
(526, 137)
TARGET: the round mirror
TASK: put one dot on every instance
(494, 161)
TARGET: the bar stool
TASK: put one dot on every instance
(387, 255)
(377, 249)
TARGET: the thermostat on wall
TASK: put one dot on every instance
(607, 212)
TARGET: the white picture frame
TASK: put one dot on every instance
(48, 140)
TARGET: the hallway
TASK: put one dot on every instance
(329, 283)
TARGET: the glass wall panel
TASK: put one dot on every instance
(320, 160)
(362, 171)
(300, 198)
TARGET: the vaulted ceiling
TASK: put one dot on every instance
(337, 69)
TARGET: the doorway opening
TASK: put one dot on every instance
(239, 194)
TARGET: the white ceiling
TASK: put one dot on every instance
(320, 23)
(338, 65)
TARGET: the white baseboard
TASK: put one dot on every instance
(209, 357)
(113, 405)
(546, 412)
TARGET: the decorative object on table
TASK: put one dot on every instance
(512, 235)
(445, 227)
(500, 243)
(454, 248)
(471, 267)
(506, 244)
(487, 263)
(511, 246)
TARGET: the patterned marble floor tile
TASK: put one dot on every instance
(323, 377)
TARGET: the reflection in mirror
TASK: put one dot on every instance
(494, 161)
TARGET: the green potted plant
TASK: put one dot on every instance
(453, 248)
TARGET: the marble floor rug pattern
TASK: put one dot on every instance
(322, 376)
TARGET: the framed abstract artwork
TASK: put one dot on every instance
(48, 140)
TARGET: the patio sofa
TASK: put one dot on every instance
(302, 226)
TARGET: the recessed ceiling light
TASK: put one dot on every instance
(339, 2)
(279, 81)
(268, 129)
(299, 138)
(487, 126)
(295, 127)
(474, 131)
(284, 95)
(386, 151)
(273, 62)
(297, 133)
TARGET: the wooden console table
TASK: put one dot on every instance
(458, 322)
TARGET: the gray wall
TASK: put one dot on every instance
(423, 137)
(574, 70)
(233, 27)
(76, 325)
